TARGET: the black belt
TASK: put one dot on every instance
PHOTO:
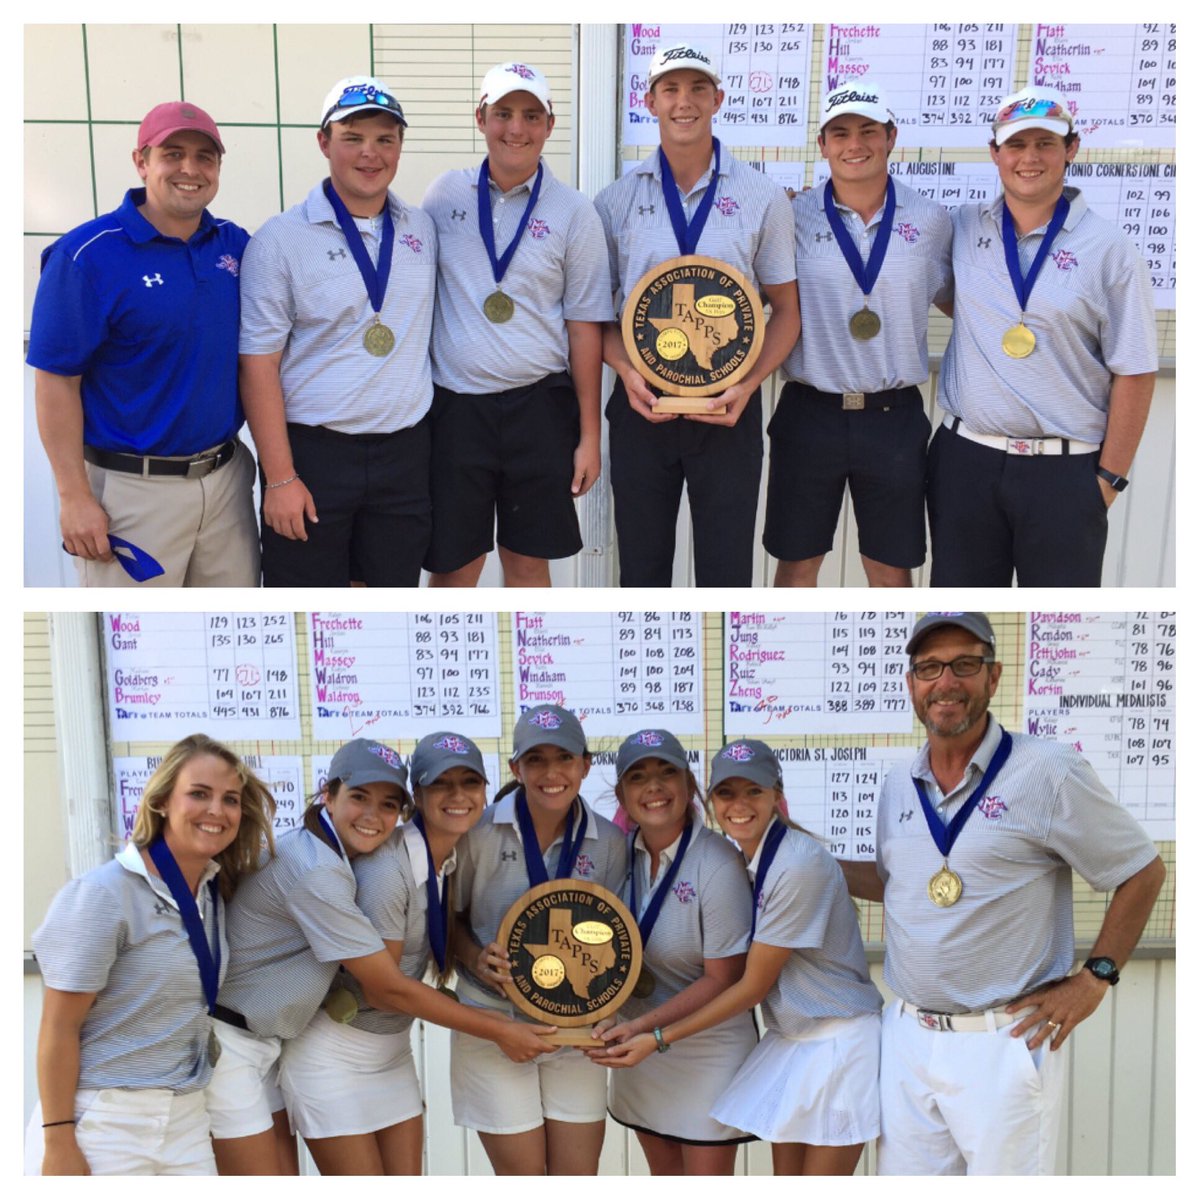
(150, 464)
(858, 401)
(230, 1017)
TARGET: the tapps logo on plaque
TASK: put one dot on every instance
(692, 326)
(575, 952)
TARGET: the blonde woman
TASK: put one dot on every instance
(132, 954)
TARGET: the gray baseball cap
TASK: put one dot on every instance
(437, 753)
(364, 761)
(976, 624)
(548, 725)
(746, 759)
(650, 743)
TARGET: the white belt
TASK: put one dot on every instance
(976, 1022)
(1026, 447)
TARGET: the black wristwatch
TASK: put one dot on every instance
(1104, 969)
(1118, 483)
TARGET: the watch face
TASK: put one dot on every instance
(1102, 968)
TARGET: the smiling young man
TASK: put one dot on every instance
(337, 306)
(744, 220)
(1049, 372)
(522, 295)
(871, 257)
(976, 842)
(134, 337)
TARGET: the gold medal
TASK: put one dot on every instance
(864, 324)
(498, 308)
(1019, 341)
(945, 887)
(645, 985)
(340, 1006)
(379, 339)
(214, 1048)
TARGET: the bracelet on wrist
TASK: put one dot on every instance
(282, 483)
(51, 1124)
(661, 1047)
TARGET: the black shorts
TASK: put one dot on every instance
(504, 462)
(371, 492)
(817, 447)
(992, 514)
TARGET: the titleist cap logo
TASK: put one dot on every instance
(850, 96)
(685, 52)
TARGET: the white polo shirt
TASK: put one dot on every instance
(1012, 931)
(117, 931)
(1091, 310)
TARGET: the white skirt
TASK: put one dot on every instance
(821, 1089)
(338, 1080)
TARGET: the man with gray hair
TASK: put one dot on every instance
(975, 846)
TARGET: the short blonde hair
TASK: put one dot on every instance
(256, 830)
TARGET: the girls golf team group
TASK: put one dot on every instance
(214, 990)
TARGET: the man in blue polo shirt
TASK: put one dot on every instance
(134, 338)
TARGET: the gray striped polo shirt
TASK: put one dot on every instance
(558, 273)
(705, 915)
(290, 924)
(302, 294)
(391, 893)
(749, 225)
(915, 274)
(805, 907)
(1092, 311)
(1012, 931)
(491, 875)
(116, 931)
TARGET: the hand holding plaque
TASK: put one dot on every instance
(575, 955)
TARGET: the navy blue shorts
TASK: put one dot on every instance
(504, 462)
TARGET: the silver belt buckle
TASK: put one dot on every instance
(1026, 446)
(933, 1020)
(198, 468)
(853, 401)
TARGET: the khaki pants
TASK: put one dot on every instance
(203, 532)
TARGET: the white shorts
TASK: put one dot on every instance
(134, 1131)
(821, 1089)
(492, 1094)
(338, 1080)
(243, 1093)
(966, 1103)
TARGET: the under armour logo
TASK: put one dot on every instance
(508, 856)
(906, 816)
(161, 909)
(983, 243)
(336, 254)
(824, 237)
(642, 211)
(458, 214)
(151, 280)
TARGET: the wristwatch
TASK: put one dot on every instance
(1104, 969)
(1118, 483)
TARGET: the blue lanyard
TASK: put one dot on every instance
(334, 841)
(866, 274)
(374, 277)
(647, 920)
(687, 233)
(208, 960)
(484, 197)
(437, 908)
(1023, 284)
(535, 865)
(944, 836)
(775, 836)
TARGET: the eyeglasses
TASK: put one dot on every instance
(964, 666)
(353, 97)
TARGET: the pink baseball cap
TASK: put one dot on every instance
(175, 115)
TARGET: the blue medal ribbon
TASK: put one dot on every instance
(650, 916)
(687, 233)
(484, 197)
(374, 277)
(944, 836)
(329, 833)
(535, 865)
(437, 907)
(1023, 284)
(207, 959)
(775, 836)
(865, 274)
